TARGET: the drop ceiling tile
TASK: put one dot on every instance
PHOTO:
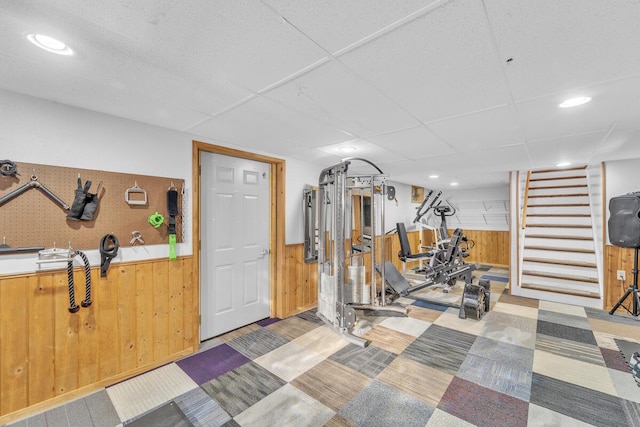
(414, 142)
(577, 149)
(266, 124)
(336, 24)
(364, 149)
(621, 144)
(333, 94)
(437, 66)
(542, 118)
(483, 129)
(564, 44)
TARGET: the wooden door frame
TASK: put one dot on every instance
(276, 224)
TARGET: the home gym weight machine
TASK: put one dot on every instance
(341, 287)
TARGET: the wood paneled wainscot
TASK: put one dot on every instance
(143, 315)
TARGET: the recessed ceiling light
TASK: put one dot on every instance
(574, 102)
(454, 183)
(50, 44)
(347, 149)
(434, 176)
(563, 164)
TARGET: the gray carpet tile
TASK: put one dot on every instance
(508, 355)
(168, 415)
(239, 389)
(620, 316)
(78, 412)
(573, 349)
(526, 324)
(369, 361)
(632, 411)
(494, 375)
(441, 348)
(564, 319)
(231, 423)
(103, 414)
(578, 402)
(566, 332)
(382, 405)
(200, 409)
(512, 299)
(57, 417)
(257, 343)
(311, 316)
(627, 348)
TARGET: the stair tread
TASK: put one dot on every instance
(561, 276)
(560, 291)
(561, 205)
(575, 168)
(558, 236)
(559, 215)
(562, 262)
(556, 249)
(549, 187)
(560, 225)
(559, 195)
(557, 178)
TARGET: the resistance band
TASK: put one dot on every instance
(107, 253)
(172, 210)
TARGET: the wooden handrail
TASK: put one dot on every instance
(526, 201)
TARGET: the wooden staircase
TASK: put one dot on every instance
(559, 247)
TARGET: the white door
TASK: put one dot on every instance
(234, 254)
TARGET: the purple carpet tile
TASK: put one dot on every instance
(614, 360)
(210, 364)
(482, 406)
(267, 322)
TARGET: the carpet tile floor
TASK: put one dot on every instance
(525, 363)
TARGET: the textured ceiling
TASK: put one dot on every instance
(466, 89)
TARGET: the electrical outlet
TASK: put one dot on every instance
(622, 275)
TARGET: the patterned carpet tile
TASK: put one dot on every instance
(589, 406)
(331, 383)
(574, 310)
(632, 411)
(429, 305)
(566, 332)
(481, 406)
(292, 327)
(516, 300)
(380, 405)
(287, 406)
(450, 319)
(440, 348)
(241, 388)
(573, 371)
(507, 354)
(416, 379)
(440, 418)
(527, 324)
(290, 360)
(209, 364)
(515, 310)
(572, 349)
(239, 332)
(424, 314)
(615, 328)
(388, 339)
(509, 334)
(605, 340)
(200, 409)
(149, 390)
(257, 343)
(564, 319)
(620, 316)
(310, 316)
(543, 417)
(169, 415)
(340, 421)
(626, 386)
(613, 359)
(268, 321)
(501, 377)
(406, 325)
(369, 361)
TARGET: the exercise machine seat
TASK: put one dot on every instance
(405, 247)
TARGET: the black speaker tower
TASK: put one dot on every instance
(633, 291)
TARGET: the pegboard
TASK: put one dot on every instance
(34, 219)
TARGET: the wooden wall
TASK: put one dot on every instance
(617, 258)
(142, 316)
(301, 280)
